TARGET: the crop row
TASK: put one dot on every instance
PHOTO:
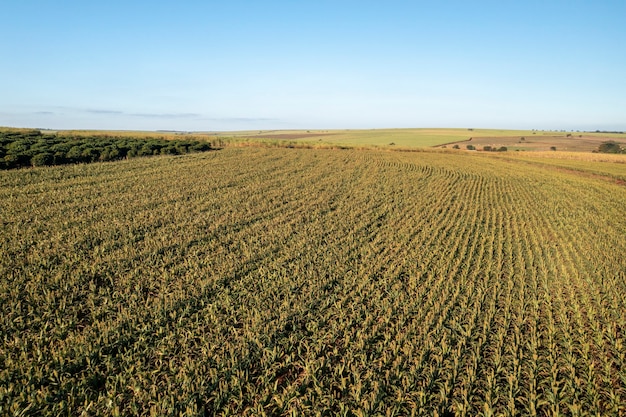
(256, 281)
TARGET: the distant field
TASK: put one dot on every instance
(410, 138)
(533, 140)
(274, 281)
(526, 140)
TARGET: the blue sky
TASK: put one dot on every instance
(238, 65)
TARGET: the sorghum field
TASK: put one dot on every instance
(253, 281)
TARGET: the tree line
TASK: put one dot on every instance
(24, 148)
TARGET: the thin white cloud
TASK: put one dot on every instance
(165, 115)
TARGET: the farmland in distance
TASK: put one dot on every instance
(396, 139)
(254, 281)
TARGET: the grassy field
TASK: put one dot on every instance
(257, 281)
(408, 138)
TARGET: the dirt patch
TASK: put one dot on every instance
(573, 142)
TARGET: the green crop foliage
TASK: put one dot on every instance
(22, 148)
(275, 281)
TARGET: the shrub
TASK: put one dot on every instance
(471, 147)
(17, 147)
(610, 147)
(201, 147)
(169, 150)
(42, 159)
(90, 154)
(149, 149)
(74, 154)
(502, 149)
(11, 161)
(59, 158)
